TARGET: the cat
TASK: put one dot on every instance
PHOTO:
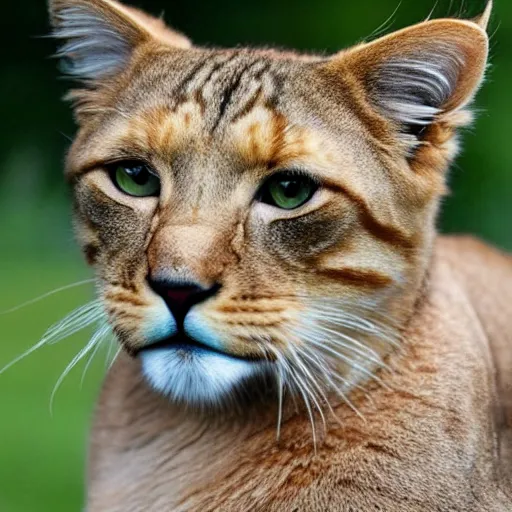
(296, 336)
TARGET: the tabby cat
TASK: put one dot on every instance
(295, 335)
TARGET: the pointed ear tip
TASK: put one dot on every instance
(484, 18)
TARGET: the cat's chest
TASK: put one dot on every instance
(409, 455)
(395, 474)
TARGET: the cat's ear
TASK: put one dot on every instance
(419, 75)
(99, 36)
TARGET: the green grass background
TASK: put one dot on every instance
(42, 456)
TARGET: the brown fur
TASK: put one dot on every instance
(435, 434)
(438, 437)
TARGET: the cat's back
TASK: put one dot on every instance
(485, 274)
(481, 265)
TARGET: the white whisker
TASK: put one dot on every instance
(364, 351)
(364, 354)
(308, 407)
(309, 377)
(280, 391)
(31, 350)
(324, 373)
(74, 322)
(64, 328)
(345, 358)
(357, 322)
(46, 295)
(108, 358)
(96, 338)
(114, 359)
(89, 361)
(327, 375)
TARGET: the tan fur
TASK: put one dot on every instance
(432, 434)
(438, 439)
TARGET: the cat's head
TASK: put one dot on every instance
(260, 213)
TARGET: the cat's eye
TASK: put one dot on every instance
(288, 190)
(135, 179)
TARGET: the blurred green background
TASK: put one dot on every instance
(42, 456)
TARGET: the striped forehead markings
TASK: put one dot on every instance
(228, 76)
(233, 86)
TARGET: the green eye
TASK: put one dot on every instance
(135, 179)
(288, 190)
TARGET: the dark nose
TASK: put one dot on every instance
(180, 297)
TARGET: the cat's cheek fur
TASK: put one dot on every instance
(158, 323)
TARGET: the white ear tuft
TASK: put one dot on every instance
(100, 36)
(93, 48)
(421, 74)
(413, 89)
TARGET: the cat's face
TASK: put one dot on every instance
(256, 213)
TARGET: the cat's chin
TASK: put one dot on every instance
(197, 376)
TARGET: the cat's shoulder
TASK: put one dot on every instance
(472, 256)
(485, 274)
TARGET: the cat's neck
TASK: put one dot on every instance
(442, 383)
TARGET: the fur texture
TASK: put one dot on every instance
(345, 297)
(436, 435)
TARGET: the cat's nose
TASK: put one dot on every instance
(181, 297)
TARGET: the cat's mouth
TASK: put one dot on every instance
(184, 344)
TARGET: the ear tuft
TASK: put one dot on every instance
(421, 74)
(97, 39)
(91, 49)
(100, 36)
(413, 89)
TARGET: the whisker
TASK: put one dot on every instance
(307, 375)
(108, 358)
(365, 354)
(96, 338)
(74, 322)
(324, 372)
(432, 11)
(114, 359)
(88, 364)
(386, 25)
(364, 350)
(309, 410)
(46, 295)
(93, 353)
(371, 326)
(280, 391)
(285, 366)
(25, 354)
(353, 320)
(327, 375)
(346, 307)
(66, 327)
(345, 358)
